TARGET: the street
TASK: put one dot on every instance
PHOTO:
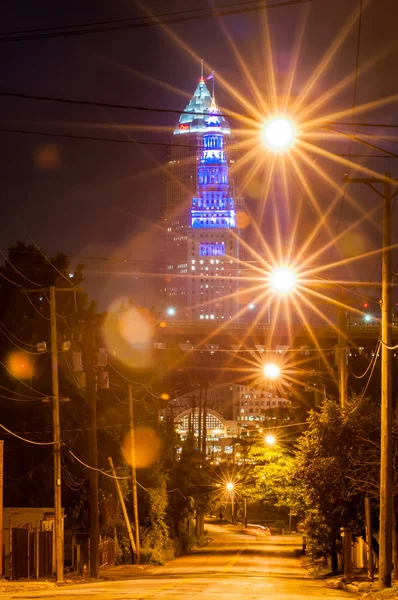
(233, 565)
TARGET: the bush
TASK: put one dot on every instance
(279, 526)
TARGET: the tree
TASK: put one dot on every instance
(338, 463)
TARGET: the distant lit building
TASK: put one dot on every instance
(201, 234)
(253, 405)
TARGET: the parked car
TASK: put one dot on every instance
(251, 531)
(261, 529)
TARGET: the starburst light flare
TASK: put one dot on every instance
(278, 134)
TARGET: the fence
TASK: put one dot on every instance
(77, 552)
(28, 551)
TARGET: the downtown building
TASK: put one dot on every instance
(201, 249)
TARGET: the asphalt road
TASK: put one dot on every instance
(233, 567)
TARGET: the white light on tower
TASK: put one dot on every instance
(283, 280)
(278, 134)
(271, 370)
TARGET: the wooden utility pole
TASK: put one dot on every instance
(385, 562)
(124, 511)
(369, 535)
(385, 533)
(134, 477)
(1, 505)
(58, 521)
(342, 352)
(58, 528)
(88, 350)
(245, 511)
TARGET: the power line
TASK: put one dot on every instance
(23, 383)
(152, 21)
(112, 21)
(147, 143)
(17, 271)
(132, 107)
(18, 393)
(15, 337)
(35, 307)
(24, 439)
(16, 345)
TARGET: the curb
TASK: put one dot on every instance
(348, 587)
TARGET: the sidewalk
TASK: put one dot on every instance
(116, 573)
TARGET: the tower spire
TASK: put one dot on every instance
(201, 70)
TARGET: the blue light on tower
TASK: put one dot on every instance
(213, 208)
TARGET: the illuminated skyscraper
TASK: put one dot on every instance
(213, 240)
(188, 160)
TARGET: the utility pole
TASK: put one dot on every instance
(386, 521)
(88, 349)
(342, 352)
(1, 506)
(58, 523)
(134, 477)
(59, 549)
(245, 511)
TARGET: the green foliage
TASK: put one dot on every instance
(154, 534)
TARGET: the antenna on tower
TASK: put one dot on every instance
(213, 86)
(201, 70)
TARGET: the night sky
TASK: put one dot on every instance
(97, 199)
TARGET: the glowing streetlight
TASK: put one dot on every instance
(271, 370)
(270, 440)
(367, 318)
(171, 311)
(279, 134)
(230, 486)
(283, 280)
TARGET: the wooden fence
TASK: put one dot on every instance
(29, 552)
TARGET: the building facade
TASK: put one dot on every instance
(213, 236)
(199, 215)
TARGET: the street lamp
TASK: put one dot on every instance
(171, 311)
(230, 488)
(283, 280)
(278, 134)
(270, 440)
(271, 370)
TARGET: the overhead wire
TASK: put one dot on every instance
(40, 250)
(130, 142)
(18, 393)
(354, 104)
(370, 363)
(35, 307)
(22, 382)
(16, 345)
(125, 19)
(151, 21)
(135, 382)
(19, 272)
(15, 337)
(24, 439)
(176, 111)
(10, 281)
